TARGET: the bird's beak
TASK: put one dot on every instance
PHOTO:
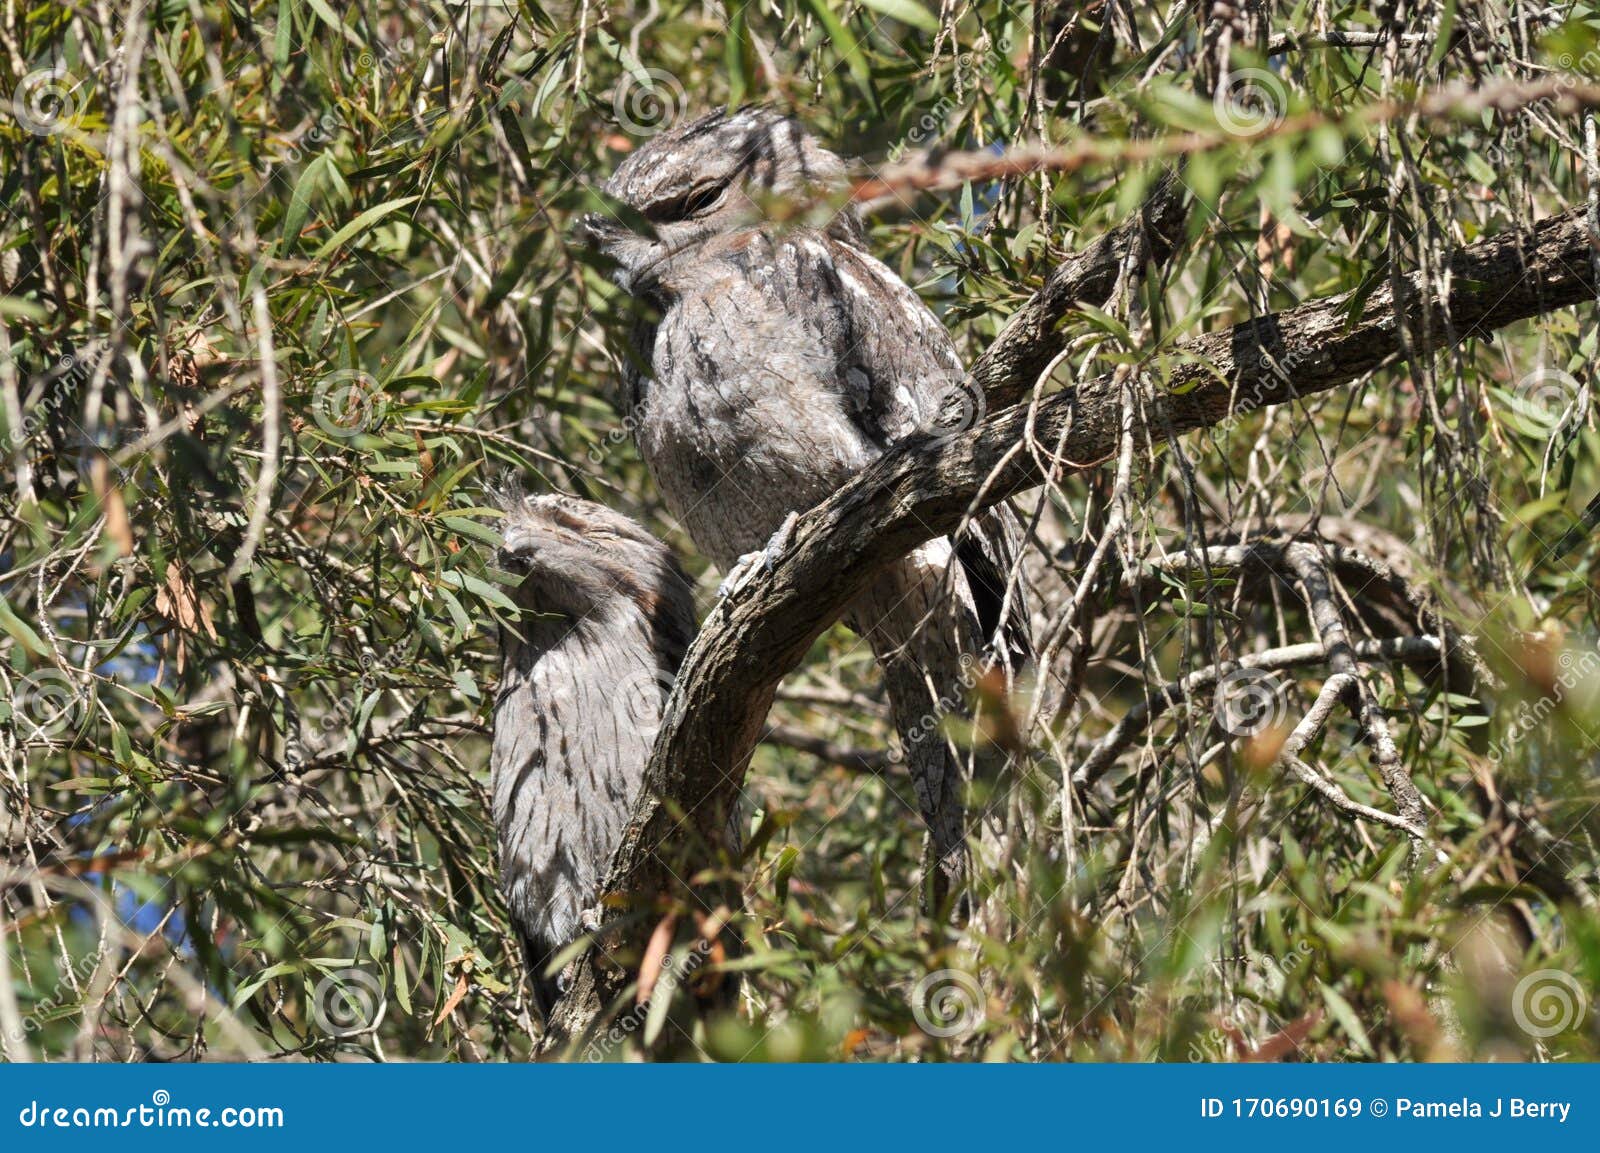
(513, 560)
(595, 228)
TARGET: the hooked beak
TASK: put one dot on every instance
(514, 559)
(595, 228)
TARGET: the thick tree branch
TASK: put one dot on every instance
(1033, 336)
(923, 489)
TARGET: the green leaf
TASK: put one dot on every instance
(736, 44)
(845, 43)
(1346, 1016)
(328, 16)
(1444, 36)
(20, 631)
(471, 528)
(25, 309)
(244, 992)
(361, 224)
(661, 996)
(294, 218)
(482, 588)
(907, 12)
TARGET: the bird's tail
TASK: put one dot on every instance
(924, 622)
(536, 956)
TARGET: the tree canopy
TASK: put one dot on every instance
(1282, 326)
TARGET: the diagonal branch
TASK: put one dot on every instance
(1033, 336)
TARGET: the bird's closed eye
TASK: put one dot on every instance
(685, 206)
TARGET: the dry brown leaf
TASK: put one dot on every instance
(1261, 751)
(176, 601)
(999, 722)
(1282, 1043)
(1274, 246)
(424, 458)
(117, 526)
(655, 955)
(456, 994)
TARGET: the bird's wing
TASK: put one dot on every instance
(900, 361)
(901, 367)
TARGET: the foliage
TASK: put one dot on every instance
(287, 290)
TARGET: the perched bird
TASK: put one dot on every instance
(777, 359)
(585, 674)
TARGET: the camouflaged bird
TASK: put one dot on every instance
(782, 359)
(585, 675)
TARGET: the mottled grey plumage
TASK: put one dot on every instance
(607, 617)
(783, 360)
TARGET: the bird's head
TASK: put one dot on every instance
(714, 175)
(579, 557)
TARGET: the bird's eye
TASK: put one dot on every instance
(683, 207)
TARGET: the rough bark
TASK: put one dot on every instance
(923, 490)
(1033, 336)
